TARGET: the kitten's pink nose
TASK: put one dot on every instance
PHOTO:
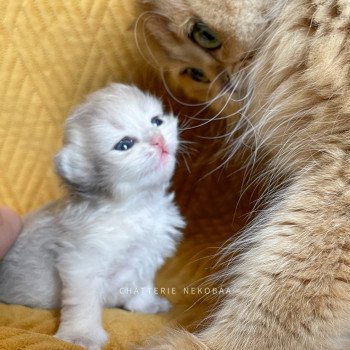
(158, 141)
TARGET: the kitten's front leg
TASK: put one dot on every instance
(293, 286)
(81, 311)
(147, 301)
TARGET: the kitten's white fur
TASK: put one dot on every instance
(115, 228)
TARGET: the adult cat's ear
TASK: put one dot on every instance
(75, 170)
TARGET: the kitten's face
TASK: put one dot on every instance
(200, 44)
(124, 138)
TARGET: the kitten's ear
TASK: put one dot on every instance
(75, 170)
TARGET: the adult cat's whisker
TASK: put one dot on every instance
(243, 124)
(221, 259)
(185, 150)
(188, 151)
(209, 103)
(183, 155)
(218, 76)
(238, 80)
(148, 14)
(294, 118)
(272, 177)
(250, 186)
(184, 147)
(187, 104)
(184, 124)
(216, 116)
(217, 137)
(142, 32)
(221, 166)
(187, 142)
(206, 105)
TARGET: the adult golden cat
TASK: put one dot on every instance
(293, 284)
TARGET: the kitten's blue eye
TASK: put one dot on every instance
(124, 144)
(156, 121)
(204, 37)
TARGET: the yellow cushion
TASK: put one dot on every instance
(52, 54)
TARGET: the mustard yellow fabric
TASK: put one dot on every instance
(52, 53)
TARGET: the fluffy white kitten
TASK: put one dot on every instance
(115, 228)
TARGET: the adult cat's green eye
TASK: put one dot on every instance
(204, 37)
(197, 75)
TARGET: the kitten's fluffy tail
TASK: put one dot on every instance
(174, 340)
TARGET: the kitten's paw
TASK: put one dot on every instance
(148, 305)
(93, 340)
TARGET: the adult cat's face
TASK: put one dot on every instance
(200, 44)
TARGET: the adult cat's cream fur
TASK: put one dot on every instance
(292, 286)
(103, 243)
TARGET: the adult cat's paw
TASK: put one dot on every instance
(93, 340)
(148, 305)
